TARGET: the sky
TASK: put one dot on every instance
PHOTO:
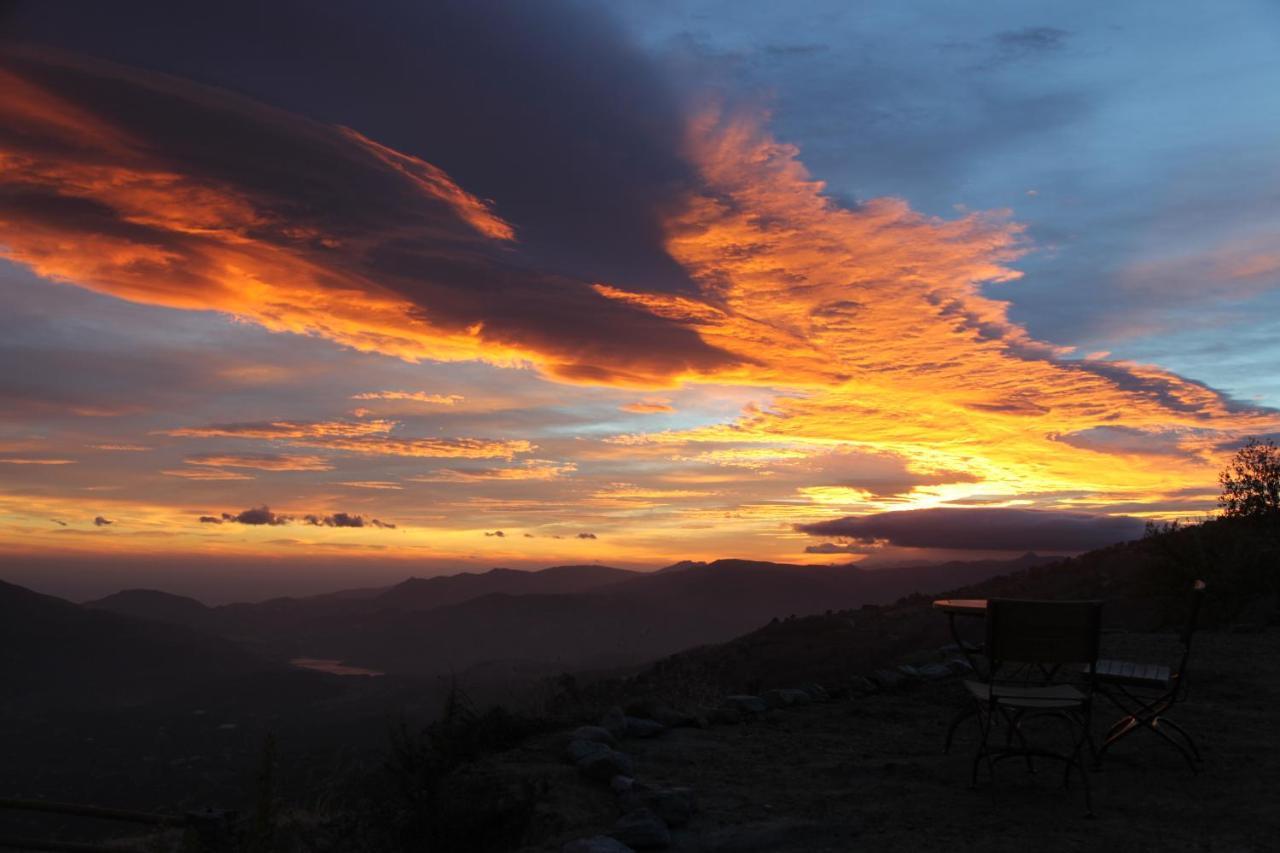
(303, 296)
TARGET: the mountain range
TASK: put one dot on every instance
(558, 618)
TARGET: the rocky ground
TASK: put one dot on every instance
(866, 771)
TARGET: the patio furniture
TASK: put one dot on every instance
(1043, 657)
(964, 608)
(1146, 692)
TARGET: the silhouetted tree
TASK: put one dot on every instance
(1251, 483)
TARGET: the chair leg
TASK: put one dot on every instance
(959, 718)
(1156, 726)
(1195, 751)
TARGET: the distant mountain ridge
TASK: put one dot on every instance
(564, 616)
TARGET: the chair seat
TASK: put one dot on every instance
(1016, 696)
(1137, 674)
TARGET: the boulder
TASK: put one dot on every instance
(935, 671)
(724, 716)
(960, 666)
(639, 727)
(746, 704)
(888, 679)
(614, 721)
(674, 805)
(861, 685)
(909, 671)
(643, 830)
(598, 844)
(604, 766)
(674, 719)
(817, 693)
(599, 734)
(580, 750)
(785, 698)
(622, 784)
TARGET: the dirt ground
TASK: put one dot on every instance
(868, 773)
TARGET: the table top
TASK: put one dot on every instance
(962, 606)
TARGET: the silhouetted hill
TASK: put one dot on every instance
(155, 605)
(55, 651)
(566, 616)
(626, 622)
(427, 593)
(1144, 583)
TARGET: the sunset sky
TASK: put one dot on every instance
(333, 292)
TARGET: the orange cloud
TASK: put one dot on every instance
(530, 469)
(261, 461)
(875, 319)
(649, 405)
(364, 437)
(206, 474)
(415, 396)
(296, 226)
(14, 460)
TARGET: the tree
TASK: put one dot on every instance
(1251, 483)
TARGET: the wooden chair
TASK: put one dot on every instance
(1043, 657)
(1146, 692)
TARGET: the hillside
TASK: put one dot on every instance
(564, 617)
(55, 651)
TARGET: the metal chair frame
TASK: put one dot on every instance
(1145, 708)
(1042, 656)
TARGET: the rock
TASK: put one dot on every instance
(642, 830)
(674, 805)
(724, 716)
(785, 698)
(817, 693)
(935, 671)
(673, 719)
(622, 784)
(642, 707)
(614, 721)
(603, 766)
(599, 734)
(861, 685)
(960, 666)
(949, 650)
(580, 750)
(909, 671)
(758, 837)
(746, 704)
(888, 679)
(638, 727)
(598, 844)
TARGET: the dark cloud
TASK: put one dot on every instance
(497, 533)
(257, 516)
(586, 536)
(58, 522)
(983, 529)
(839, 548)
(102, 522)
(210, 519)
(500, 100)
(342, 519)
(1125, 440)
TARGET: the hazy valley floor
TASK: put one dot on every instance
(868, 773)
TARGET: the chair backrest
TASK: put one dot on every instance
(1043, 632)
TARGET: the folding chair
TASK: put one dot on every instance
(1042, 660)
(1146, 692)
